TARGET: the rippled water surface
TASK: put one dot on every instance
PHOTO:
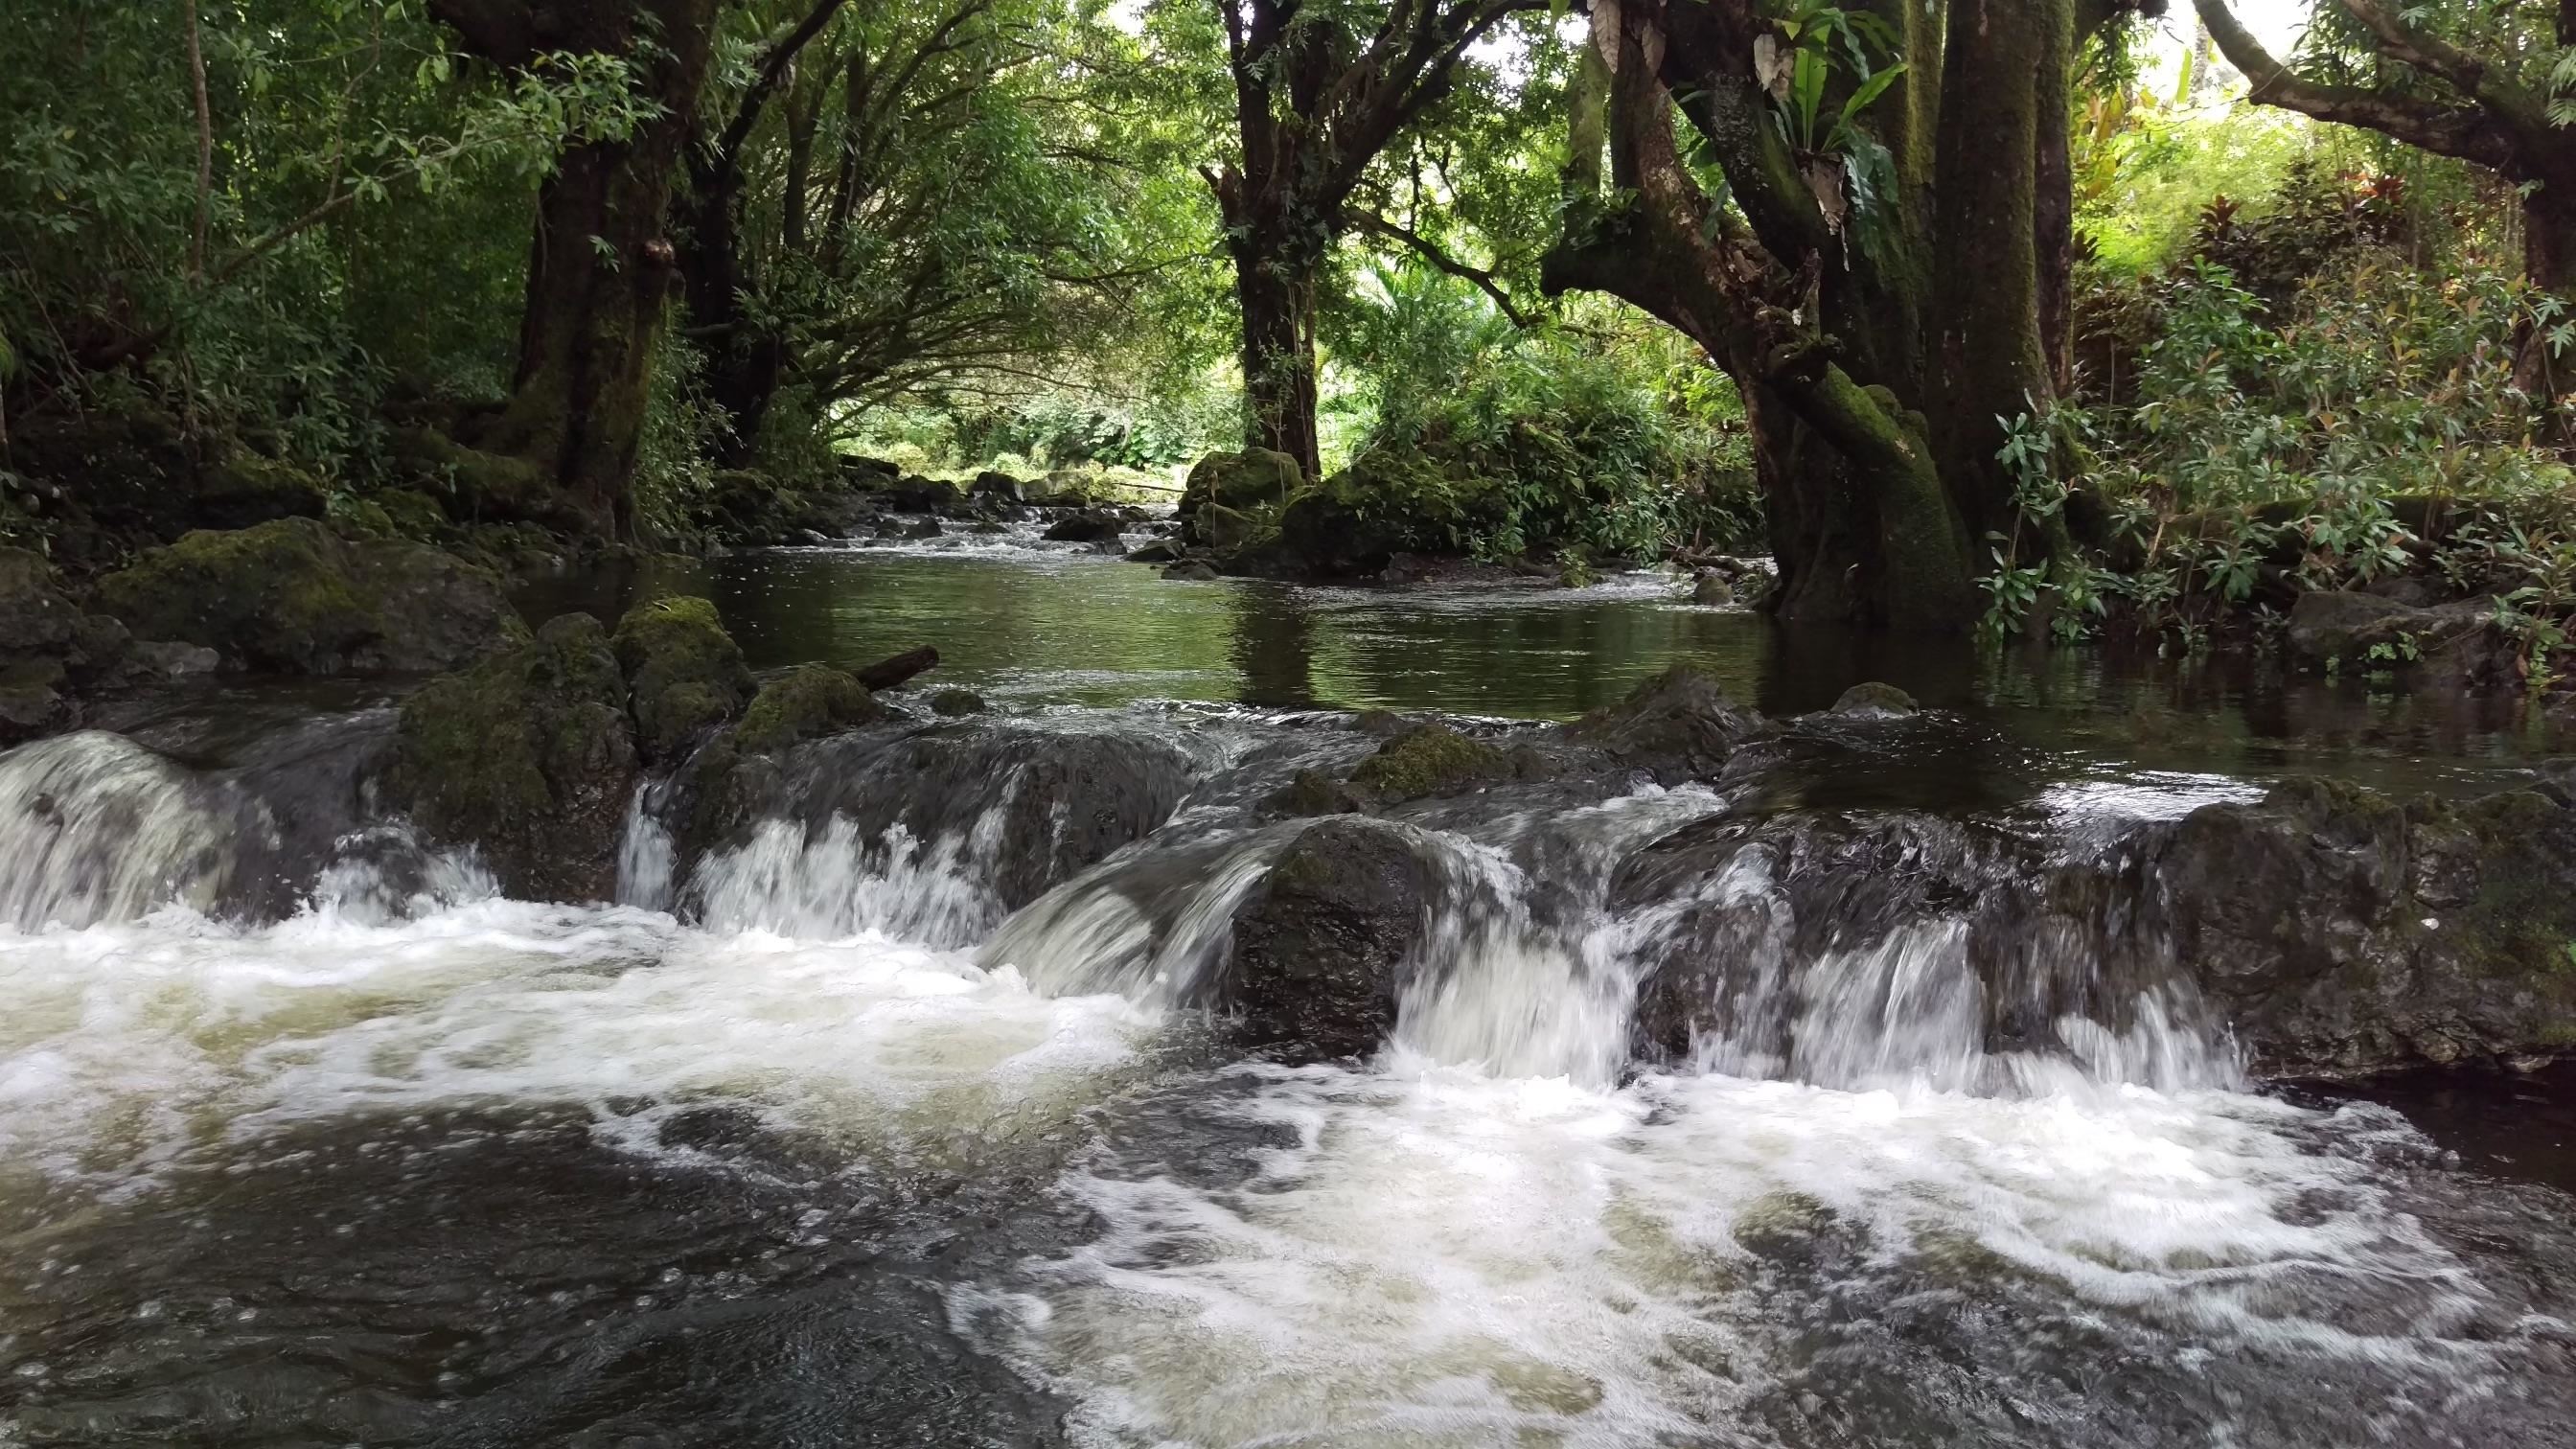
(848, 1150)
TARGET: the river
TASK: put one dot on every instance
(869, 1131)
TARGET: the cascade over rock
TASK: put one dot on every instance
(1323, 945)
(530, 757)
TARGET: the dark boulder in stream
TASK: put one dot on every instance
(1322, 946)
(2344, 932)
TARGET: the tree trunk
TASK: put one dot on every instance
(600, 270)
(1989, 358)
(2549, 260)
(1274, 283)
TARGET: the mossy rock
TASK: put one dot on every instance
(247, 489)
(414, 514)
(684, 673)
(1427, 761)
(1243, 481)
(528, 757)
(956, 703)
(294, 597)
(807, 702)
(1312, 793)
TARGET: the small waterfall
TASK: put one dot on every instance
(836, 882)
(94, 827)
(647, 857)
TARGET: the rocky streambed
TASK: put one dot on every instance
(628, 1035)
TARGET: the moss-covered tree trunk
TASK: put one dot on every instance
(600, 267)
(1274, 284)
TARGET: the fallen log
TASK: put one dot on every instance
(888, 673)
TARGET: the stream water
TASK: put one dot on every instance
(893, 1124)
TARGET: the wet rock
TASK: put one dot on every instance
(50, 649)
(1429, 760)
(480, 486)
(987, 529)
(1322, 945)
(1192, 571)
(992, 486)
(2451, 644)
(529, 757)
(1313, 793)
(914, 494)
(293, 597)
(1874, 700)
(2346, 933)
(1712, 588)
(1677, 726)
(1089, 527)
(956, 703)
(685, 676)
(925, 528)
(1160, 551)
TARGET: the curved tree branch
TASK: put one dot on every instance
(2466, 132)
(1422, 246)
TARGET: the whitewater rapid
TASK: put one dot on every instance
(1492, 1233)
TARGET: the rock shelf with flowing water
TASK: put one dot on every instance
(1090, 1078)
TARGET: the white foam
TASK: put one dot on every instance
(129, 1046)
(1438, 1257)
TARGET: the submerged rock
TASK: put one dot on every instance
(1712, 588)
(956, 703)
(1191, 571)
(684, 674)
(1322, 945)
(293, 597)
(530, 758)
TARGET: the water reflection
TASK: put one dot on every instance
(1031, 630)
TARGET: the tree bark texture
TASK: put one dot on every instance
(600, 267)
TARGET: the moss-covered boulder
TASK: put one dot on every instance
(685, 676)
(247, 489)
(1429, 760)
(529, 757)
(294, 597)
(805, 703)
(1252, 479)
(738, 771)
